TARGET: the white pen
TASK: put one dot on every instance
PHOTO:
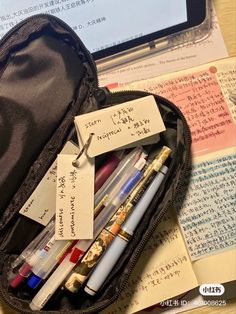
(57, 277)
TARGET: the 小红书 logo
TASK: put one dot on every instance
(213, 289)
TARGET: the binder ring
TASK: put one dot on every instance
(75, 162)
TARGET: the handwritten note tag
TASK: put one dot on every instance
(119, 125)
(74, 204)
(41, 205)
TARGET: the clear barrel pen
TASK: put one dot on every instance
(117, 247)
(119, 181)
(129, 160)
(118, 196)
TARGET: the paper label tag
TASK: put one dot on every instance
(41, 205)
(119, 125)
(74, 198)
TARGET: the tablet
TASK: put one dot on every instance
(117, 31)
(137, 28)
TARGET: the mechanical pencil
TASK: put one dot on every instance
(118, 245)
(97, 249)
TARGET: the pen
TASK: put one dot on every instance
(92, 256)
(43, 268)
(118, 245)
(108, 198)
(40, 248)
(126, 163)
(114, 183)
(62, 271)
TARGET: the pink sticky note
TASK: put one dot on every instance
(199, 97)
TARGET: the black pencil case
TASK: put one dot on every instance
(47, 77)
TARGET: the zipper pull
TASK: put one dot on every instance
(101, 95)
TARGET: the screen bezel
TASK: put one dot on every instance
(196, 14)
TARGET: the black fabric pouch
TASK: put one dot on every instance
(47, 77)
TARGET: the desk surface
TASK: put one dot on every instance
(226, 12)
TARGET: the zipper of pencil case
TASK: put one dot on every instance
(64, 25)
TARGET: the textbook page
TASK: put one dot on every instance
(164, 270)
(209, 269)
(208, 214)
(207, 217)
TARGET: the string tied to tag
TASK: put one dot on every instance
(75, 162)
